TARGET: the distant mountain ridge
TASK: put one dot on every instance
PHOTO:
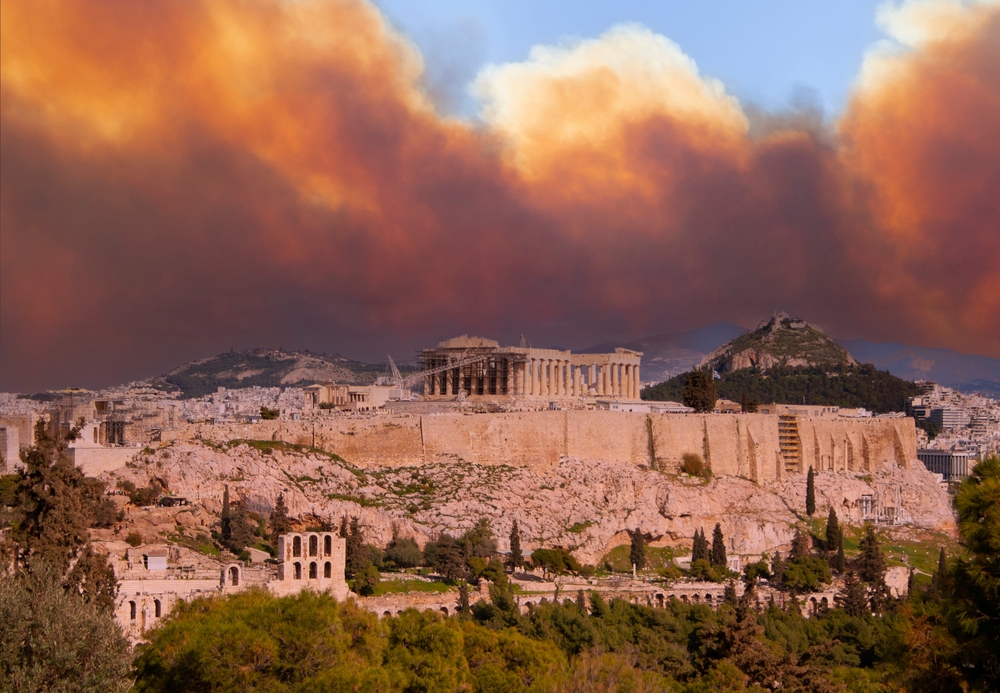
(964, 372)
(264, 368)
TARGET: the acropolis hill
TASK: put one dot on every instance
(557, 441)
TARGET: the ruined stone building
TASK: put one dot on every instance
(474, 367)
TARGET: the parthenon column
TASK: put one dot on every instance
(615, 381)
(553, 377)
(520, 378)
(543, 375)
(447, 382)
(636, 383)
(576, 380)
(563, 376)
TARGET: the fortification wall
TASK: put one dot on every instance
(746, 445)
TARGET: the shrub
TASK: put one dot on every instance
(555, 560)
(691, 463)
(133, 539)
(269, 414)
(404, 553)
(367, 581)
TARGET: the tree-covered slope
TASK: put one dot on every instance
(878, 391)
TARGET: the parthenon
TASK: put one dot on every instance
(477, 367)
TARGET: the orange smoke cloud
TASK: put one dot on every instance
(181, 177)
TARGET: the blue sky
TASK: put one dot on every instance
(768, 53)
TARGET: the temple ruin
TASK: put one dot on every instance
(474, 367)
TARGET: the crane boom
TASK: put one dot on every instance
(401, 382)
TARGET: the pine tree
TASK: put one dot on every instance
(871, 562)
(581, 601)
(832, 530)
(241, 531)
(699, 391)
(343, 527)
(801, 544)
(463, 599)
(810, 493)
(516, 559)
(718, 547)
(226, 518)
(851, 597)
(637, 554)
(280, 524)
(841, 559)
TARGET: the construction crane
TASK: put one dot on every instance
(402, 383)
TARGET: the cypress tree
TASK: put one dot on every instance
(832, 530)
(355, 556)
(729, 596)
(841, 559)
(241, 531)
(463, 598)
(637, 554)
(871, 562)
(911, 583)
(343, 527)
(777, 568)
(851, 597)
(226, 518)
(718, 546)
(810, 493)
(940, 579)
(280, 524)
(516, 559)
(581, 601)
(699, 549)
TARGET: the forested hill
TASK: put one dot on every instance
(265, 368)
(844, 386)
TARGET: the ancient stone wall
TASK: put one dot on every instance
(745, 445)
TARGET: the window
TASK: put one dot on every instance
(297, 546)
(298, 571)
(312, 570)
(157, 611)
(327, 545)
(131, 610)
(313, 546)
(327, 570)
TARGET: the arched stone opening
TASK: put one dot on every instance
(131, 611)
(298, 570)
(312, 570)
(297, 546)
(659, 600)
(328, 570)
(444, 610)
(157, 608)
(387, 613)
(327, 545)
(234, 576)
(313, 546)
(708, 597)
(696, 598)
(684, 598)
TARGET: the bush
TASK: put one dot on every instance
(555, 560)
(269, 414)
(146, 495)
(806, 573)
(691, 463)
(367, 581)
(404, 553)
(133, 539)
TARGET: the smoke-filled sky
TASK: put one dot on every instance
(180, 178)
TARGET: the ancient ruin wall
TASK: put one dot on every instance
(745, 445)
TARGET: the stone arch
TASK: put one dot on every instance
(157, 608)
(327, 545)
(298, 570)
(659, 600)
(234, 576)
(328, 570)
(684, 598)
(696, 598)
(313, 573)
(387, 613)
(313, 545)
(131, 611)
(444, 610)
(296, 546)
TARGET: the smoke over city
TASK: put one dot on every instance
(179, 178)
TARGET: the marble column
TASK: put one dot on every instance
(636, 382)
(448, 377)
(615, 380)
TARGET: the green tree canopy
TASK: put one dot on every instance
(699, 391)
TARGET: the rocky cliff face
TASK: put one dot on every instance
(583, 505)
(782, 341)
